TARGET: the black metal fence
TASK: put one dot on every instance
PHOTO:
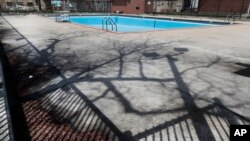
(6, 127)
(94, 6)
(216, 8)
(86, 5)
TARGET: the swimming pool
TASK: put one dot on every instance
(134, 24)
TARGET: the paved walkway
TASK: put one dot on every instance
(164, 85)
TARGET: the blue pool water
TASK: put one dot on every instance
(133, 24)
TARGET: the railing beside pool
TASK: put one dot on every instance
(107, 20)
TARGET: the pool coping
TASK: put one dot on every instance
(189, 19)
(166, 17)
(221, 24)
(179, 19)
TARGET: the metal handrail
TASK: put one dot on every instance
(113, 23)
(105, 18)
(227, 18)
(110, 21)
(230, 19)
(233, 19)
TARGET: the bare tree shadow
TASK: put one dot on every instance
(55, 108)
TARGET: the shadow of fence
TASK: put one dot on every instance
(76, 120)
(55, 109)
(62, 112)
(182, 128)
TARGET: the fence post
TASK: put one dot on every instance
(39, 6)
(242, 6)
(198, 8)
(218, 8)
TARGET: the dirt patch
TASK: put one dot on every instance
(46, 126)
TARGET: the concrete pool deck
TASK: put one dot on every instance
(152, 86)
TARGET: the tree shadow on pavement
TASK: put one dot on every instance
(55, 108)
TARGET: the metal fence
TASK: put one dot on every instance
(216, 8)
(86, 5)
(6, 127)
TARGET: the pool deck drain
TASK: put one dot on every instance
(143, 86)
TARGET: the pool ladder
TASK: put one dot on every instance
(230, 19)
(108, 21)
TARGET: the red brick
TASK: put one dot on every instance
(128, 6)
(226, 6)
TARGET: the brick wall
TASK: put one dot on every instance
(225, 6)
(129, 6)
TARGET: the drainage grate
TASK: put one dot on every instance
(151, 55)
(243, 72)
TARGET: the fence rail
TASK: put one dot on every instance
(215, 8)
(6, 132)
